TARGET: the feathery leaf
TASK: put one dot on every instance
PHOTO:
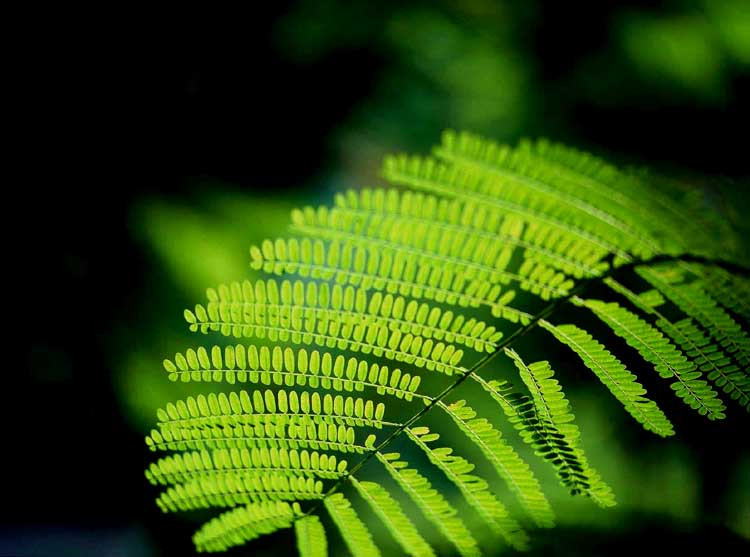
(432, 504)
(507, 462)
(561, 435)
(243, 524)
(311, 537)
(392, 515)
(356, 535)
(668, 361)
(388, 283)
(696, 303)
(621, 382)
(474, 489)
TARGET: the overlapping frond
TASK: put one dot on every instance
(469, 185)
(507, 173)
(432, 503)
(449, 224)
(474, 489)
(507, 462)
(307, 304)
(691, 298)
(476, 256)
(563, 175)
(710, 359)
(695, 343)
(610, 371)
(323, 330)
(355, 533)
(391, 291)
(667, 359)
(311, 537)
(371, 268)
(390, 512)
(243, 524)
(730, 290)
(552, 420)
(629, 189)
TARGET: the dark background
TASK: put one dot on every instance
(113, 108)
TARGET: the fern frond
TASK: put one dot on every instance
(392, 515)
(510, 170)
(313, 302)
(668, 361)
(451, 181)
(610, 371)
(555, 421)
(327, 437)
(356, 535)
(449, 224)
(277, 407)
(485, 260)
(432, 504)
(696, 303)
(710, 359)
(539, 433)
(185, 466)
(311, 537)
(241, 525)
(369, 268)
(234, 489)
(325, 332)
(697, 346)
(388, 283)
(291, 368)
(507, 462)
(473, 488)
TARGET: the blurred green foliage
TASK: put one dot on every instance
(191, 247)
(677, 53)
(691, 52)
(474, 65)
(459, 65)
(207, 243)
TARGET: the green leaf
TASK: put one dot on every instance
(392, 515)
(311, 537)
(668, 361)
(551, 428)
(610, 371)
(356, 535)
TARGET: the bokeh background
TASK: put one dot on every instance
(166, 144)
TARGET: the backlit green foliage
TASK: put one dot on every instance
(376, 309)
